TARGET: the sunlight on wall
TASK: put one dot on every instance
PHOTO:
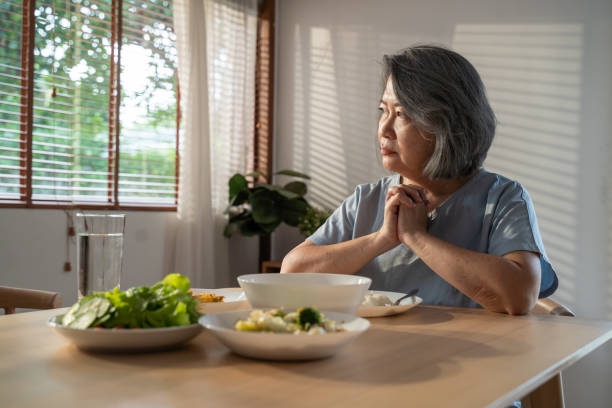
(334, 131)
(609, 275)
(533, 78)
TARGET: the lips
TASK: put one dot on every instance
(385, 151)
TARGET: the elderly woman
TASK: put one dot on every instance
(441, 223)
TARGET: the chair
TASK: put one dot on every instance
(11, 298)
(549, 394)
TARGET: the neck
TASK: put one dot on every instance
(437, 190)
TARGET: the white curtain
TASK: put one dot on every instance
(216, 42)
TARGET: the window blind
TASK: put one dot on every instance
(101, 86)
(12, 111)
(148, 109)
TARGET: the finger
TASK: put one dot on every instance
(406, 200)
(418, 193)
(410, 197)
(392, 204)
(392, 190)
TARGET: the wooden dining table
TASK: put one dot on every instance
(427, 357)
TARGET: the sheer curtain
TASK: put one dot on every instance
(216, 42)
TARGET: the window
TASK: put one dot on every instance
(88, 104)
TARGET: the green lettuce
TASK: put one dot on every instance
(167, 303)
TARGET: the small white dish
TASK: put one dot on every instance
(380, 311)
(234, 299)
(125, 340)
(283, 346)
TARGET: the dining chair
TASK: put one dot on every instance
(550, 394)
(11, 298)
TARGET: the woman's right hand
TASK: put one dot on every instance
(387, 235)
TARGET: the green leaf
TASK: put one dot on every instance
(237, 184)
(296, 187)
(239, 217)
(293, 173)
(249, 228)
(285, 193)
(228, 230)
(293, 210)
(240, 198)
(268, 228)
(264, 207)
(178, 281)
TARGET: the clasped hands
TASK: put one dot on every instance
(405, 215)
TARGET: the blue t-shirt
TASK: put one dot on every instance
(488, 214)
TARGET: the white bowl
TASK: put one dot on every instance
(336, 293)
(283, 346)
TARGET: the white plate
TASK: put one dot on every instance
(126, 340)
(233, 300)
(379, 311)
(283, 346)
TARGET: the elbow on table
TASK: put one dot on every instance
(520, 305)
(290, 264)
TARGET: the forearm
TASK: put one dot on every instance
(345, 257)
(497, 283)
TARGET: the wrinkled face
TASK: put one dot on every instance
(404, 149)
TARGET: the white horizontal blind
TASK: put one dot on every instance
(73, 115)
(70, 137)
(12, 139)
(148, 112)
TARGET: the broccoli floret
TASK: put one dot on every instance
(308, 316)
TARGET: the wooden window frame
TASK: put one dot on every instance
(263, 126)
(262, 160)
(27, 124)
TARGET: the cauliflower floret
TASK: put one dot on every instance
(291, 317)
(316, 330)
(272, 323)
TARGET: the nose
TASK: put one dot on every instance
(385, 128)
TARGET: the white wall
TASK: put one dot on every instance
(547, 65)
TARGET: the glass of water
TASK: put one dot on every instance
(99, 251)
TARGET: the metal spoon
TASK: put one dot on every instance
(411, 293)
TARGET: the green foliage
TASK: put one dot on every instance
(71, 96)
(312, 220)
(259, 209)
(167, 303)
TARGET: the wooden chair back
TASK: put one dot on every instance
(12, 298)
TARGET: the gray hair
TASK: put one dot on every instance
(443, 94)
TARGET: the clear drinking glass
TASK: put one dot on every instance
(99, 251)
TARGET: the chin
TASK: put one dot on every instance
(390, 164)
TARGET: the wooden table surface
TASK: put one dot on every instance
(427, 357)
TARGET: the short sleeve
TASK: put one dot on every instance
(515, 228)
(340, 225)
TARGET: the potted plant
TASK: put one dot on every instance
(257, 208)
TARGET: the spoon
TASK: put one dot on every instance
(411, 293)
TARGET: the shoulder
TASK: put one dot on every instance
(501, 188)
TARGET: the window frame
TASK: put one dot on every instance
(264, 111)
(26, 128)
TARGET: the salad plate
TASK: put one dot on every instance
(381, 311)
(233, 299)
(283, 346)
(125, 340)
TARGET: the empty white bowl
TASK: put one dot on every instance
(336, 293)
